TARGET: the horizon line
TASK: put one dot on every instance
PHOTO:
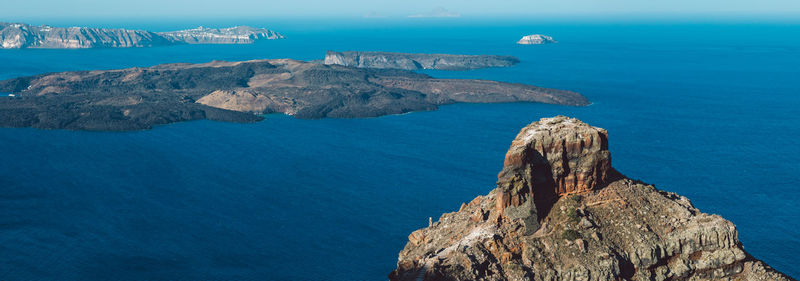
(621, 16)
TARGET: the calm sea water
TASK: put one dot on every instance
(706, 110)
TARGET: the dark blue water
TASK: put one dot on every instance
(697, 109)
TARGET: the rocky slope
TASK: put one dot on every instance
(536, 39)
(18, 35)
(560, 212)
(231, 35)
(417, 61)
(138, 98)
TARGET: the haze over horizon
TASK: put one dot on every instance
(85, 9)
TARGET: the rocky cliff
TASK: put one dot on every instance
(138, 98)
(231, 35)
(560, 212)
(536, 39)
(18, 35)
(417, 61)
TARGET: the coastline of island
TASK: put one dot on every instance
(25, 36)
(139, 98)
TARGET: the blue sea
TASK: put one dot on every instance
(708, 110)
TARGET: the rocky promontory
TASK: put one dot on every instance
(139, 98)
(417, 61)
(561, 212)
(19, 35)
(536, 39)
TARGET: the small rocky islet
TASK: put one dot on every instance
(536, 39)
(561, 212)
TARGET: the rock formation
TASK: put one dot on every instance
(417, 61)
(138, 98)
(536, 39)
(18, 35)
(556, 156)
(591, 224)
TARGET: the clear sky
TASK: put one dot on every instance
(42, 9)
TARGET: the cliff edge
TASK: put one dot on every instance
(561, 212)
(417, 61)
(19, 35)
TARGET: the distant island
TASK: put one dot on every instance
(20, 36)
(417, 61)
(231, 35)
(139, 98)
(536, 39)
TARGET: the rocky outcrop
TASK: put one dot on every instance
(243, 101)
(536, 39)
(417, 61)
(139, 98)
(19, 35)
(547, 160)
(231, 35)
(594, 225)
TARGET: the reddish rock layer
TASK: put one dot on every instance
(548, 159)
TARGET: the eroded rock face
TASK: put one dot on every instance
(615, 229)
(548, 159)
